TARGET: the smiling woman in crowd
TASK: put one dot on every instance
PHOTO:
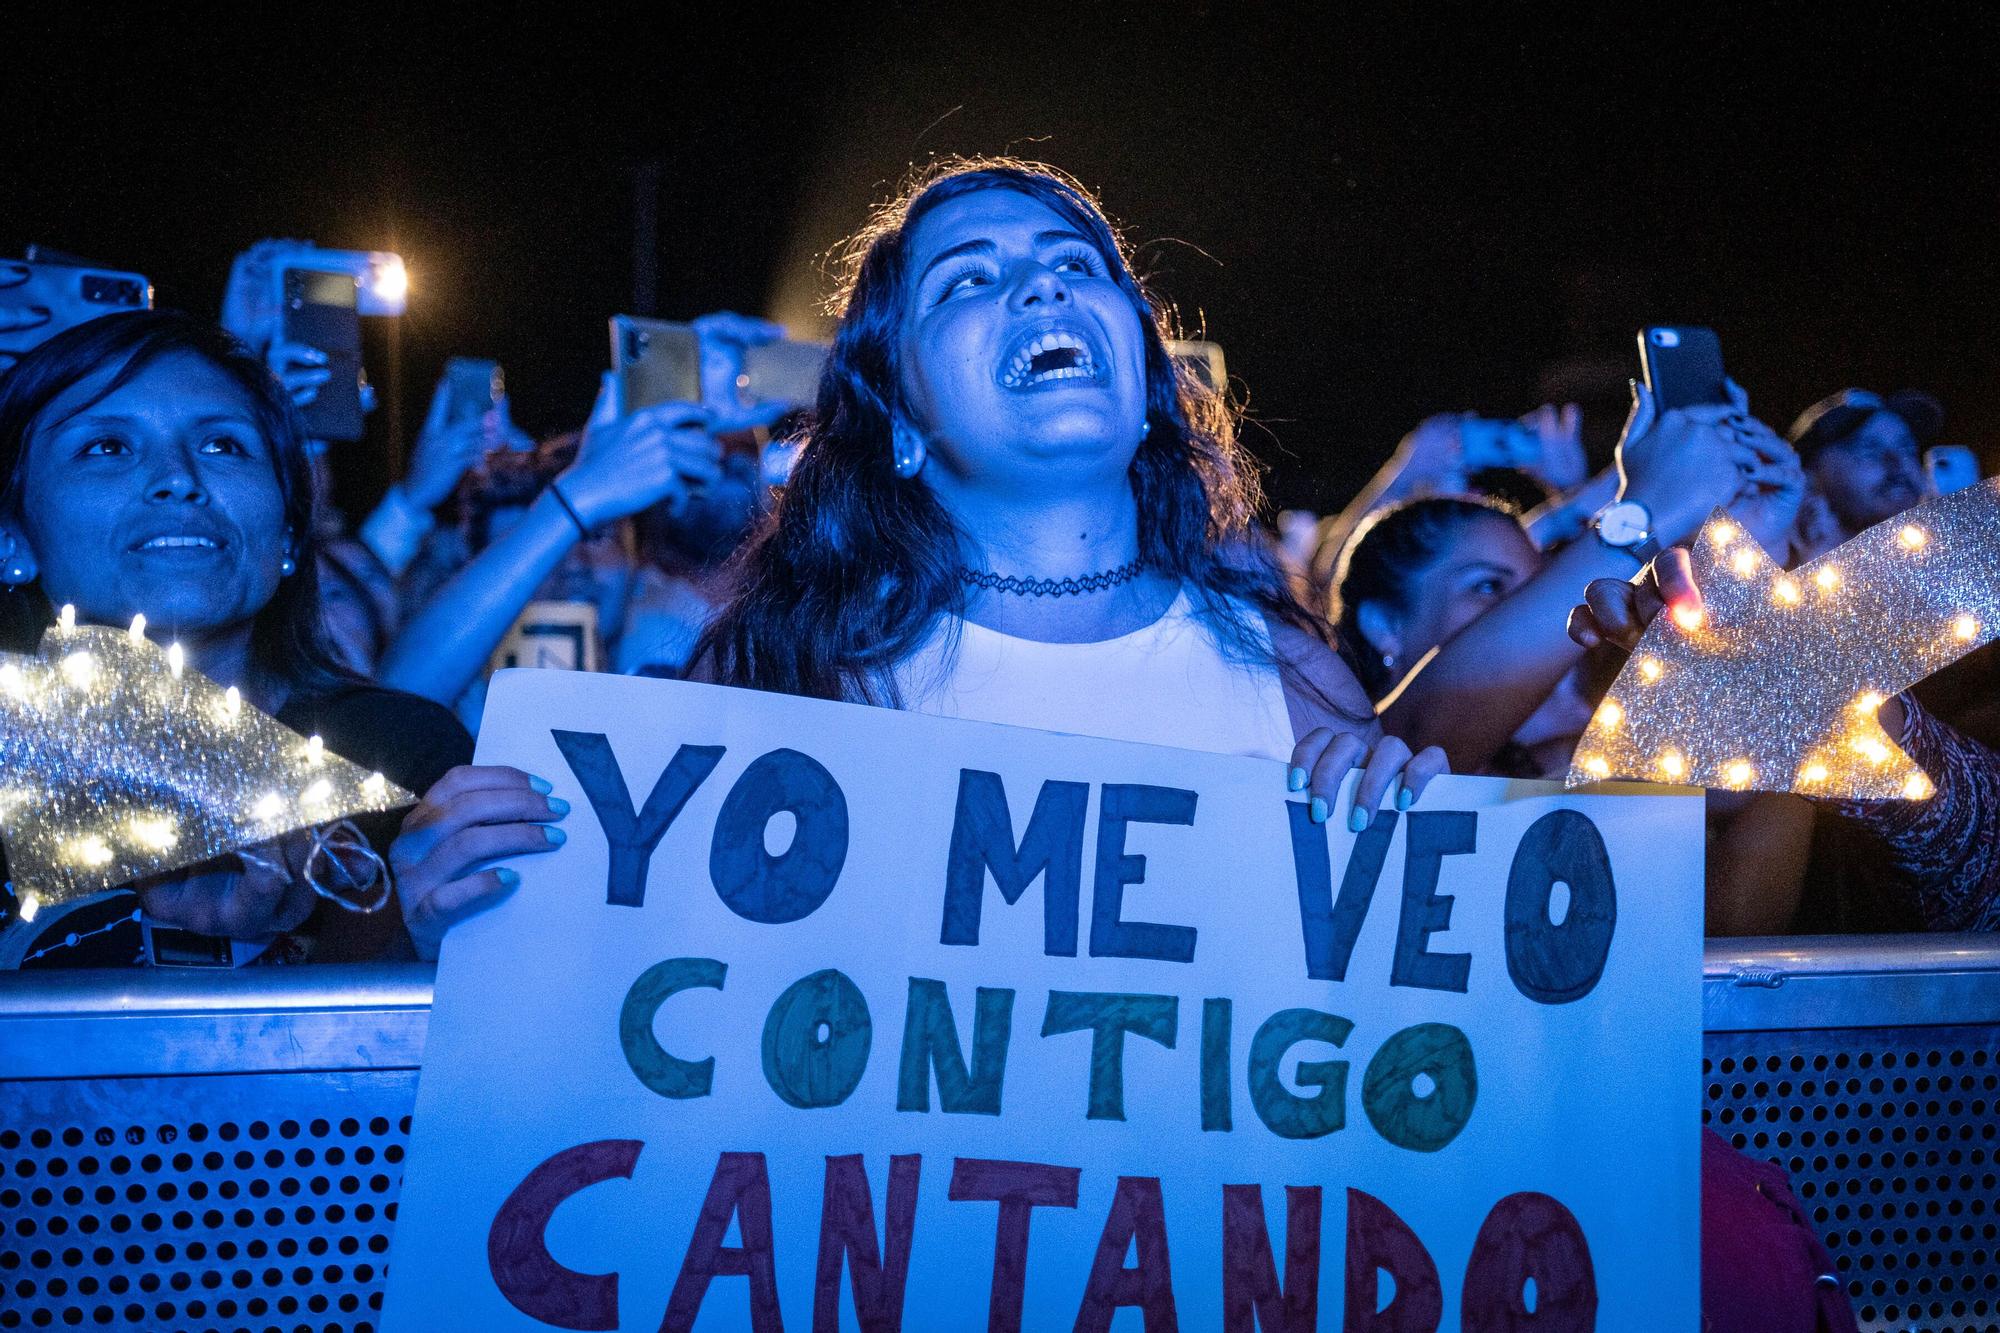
(150, 465)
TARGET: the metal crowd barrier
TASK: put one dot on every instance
(186, 1150)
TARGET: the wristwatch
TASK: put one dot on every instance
(1627, 526)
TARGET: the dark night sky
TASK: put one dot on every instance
(1378, 218)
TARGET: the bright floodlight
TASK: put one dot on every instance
(386, 288)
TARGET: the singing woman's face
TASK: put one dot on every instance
(1023, 360)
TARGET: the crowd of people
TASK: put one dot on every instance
(1009, 502)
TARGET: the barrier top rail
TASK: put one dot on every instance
(160, 1022)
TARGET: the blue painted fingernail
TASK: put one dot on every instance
(555, 835)
(509, 878)
(1295, 780)
(1405, 798)
(1317, 813)
(558, 806)
(1357, 821)
(542, 785)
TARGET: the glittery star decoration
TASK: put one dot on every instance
(1774, 683)
(117, 763)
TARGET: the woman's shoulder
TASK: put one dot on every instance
(412, 740)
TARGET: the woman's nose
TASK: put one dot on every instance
(177, 483)
(1040, 286)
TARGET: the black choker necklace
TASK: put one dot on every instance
(1110, 578)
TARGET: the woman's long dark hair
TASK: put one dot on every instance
(288, 638)
(1382, 563)
(854, 565)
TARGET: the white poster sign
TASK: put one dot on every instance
(830, 1017)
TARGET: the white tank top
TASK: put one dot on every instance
(1166, 684)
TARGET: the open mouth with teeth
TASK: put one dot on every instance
(180, 542)
(1049, 358)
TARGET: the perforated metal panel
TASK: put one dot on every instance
(1892, 1139)
(202, 1153)
(246, 1201)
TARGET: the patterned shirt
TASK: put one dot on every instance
(1944, 852)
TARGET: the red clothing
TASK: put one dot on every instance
(1763, 1267)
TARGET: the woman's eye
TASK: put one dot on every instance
(1488, 588)
(1077, 261)
(224, 444)
(963, 280)
(104, 446)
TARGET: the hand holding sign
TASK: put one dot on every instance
(831, 1017)
(473, 815)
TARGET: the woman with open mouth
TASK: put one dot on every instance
(1013, 506)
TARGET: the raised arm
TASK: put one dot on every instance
(1428, 460)
(1476, 689)
(623, 465)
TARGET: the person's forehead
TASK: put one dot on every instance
(174, 385)
(1494, 539)
(1883, 430)
(993, 214)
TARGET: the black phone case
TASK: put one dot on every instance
(335, 414)
(1685, 371)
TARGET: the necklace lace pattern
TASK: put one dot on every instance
(1068, 587)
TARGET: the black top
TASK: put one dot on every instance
(409, 740)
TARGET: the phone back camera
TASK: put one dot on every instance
(103, 289)
(1666, 338)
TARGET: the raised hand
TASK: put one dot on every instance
(1431, 458)
(300, 369)
(629, 463)
(1773, 485)
(445, 451)
(1560, 429)
(724, 338)
(1681, 464)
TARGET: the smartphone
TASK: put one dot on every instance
(657, 361)
(321, 310)
(471, 387)
(1205, 359)
(39, 300)
(1951, 467)
(1682, 366)
(784, 372)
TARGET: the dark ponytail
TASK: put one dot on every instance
(1382, 563)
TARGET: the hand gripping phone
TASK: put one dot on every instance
(320, 309)
(656, 361)
(39, 300)
(1682, 366)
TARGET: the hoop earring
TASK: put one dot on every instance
(909, 455)
(1389, 661)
